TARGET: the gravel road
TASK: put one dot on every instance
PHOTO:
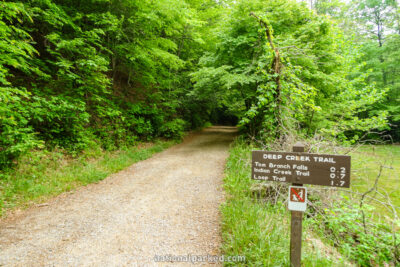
(168, 204)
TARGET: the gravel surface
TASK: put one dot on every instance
(168, 204)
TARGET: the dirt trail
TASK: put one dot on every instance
(168, 204)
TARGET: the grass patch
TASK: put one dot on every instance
(366, 162)
(256, 229)
(42, 174)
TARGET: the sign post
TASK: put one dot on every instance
(300, 168)
(296, 224)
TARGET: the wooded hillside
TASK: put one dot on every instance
(76, 74)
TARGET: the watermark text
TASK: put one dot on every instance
(199, 258)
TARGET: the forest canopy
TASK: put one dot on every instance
(76, 74)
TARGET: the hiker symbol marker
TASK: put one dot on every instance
(297, 198)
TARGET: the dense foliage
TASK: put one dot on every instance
(76, 74)
(285, 69)
(373, 29)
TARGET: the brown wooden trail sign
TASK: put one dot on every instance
(301, 168)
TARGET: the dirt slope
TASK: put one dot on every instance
(168, 204)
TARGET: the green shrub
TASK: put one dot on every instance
(16, 136)
(207, 124)
(371, 245)
(173, 129)
(142, 119)
(61, 122)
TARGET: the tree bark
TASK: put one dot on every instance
(276, 65)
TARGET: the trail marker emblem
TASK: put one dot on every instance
(297, 198)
